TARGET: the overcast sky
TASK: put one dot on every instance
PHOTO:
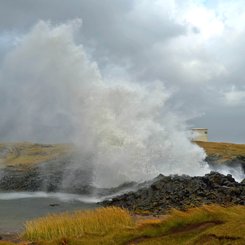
(195, 47)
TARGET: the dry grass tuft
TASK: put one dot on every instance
(206, 213)
(78, 224)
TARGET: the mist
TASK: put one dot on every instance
(51, 91)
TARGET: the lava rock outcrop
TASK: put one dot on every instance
(182, 192)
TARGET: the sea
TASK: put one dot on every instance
(16, 208)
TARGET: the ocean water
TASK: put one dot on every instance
(18, 207)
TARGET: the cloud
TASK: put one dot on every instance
(234, 97)
(193, 46)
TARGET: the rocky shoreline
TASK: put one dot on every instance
(182, 192)
(62, 175)
(49, 177)
(58, 168)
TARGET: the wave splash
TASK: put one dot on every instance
(124, 131)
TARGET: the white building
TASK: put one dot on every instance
(200, 134)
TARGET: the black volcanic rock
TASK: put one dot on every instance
(182, 192)
(48, 176)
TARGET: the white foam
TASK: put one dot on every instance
(127, 131)
(64, 197)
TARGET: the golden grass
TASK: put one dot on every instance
(204, 225)
(206, 213)
(225, 150)
(78, 224)
(27, 153)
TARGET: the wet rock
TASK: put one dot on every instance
(48, 176)
(181, 192)
(215, 161)
(54, 205)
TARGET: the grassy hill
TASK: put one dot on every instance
(204, 225)
(26, 154)
(225, 150)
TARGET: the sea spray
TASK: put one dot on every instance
(63, 197)
(236, 171)
(51, 91)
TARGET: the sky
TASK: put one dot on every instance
(194, 47)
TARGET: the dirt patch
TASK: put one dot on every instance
(188, 228)
(191, 227)
(205, 239)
